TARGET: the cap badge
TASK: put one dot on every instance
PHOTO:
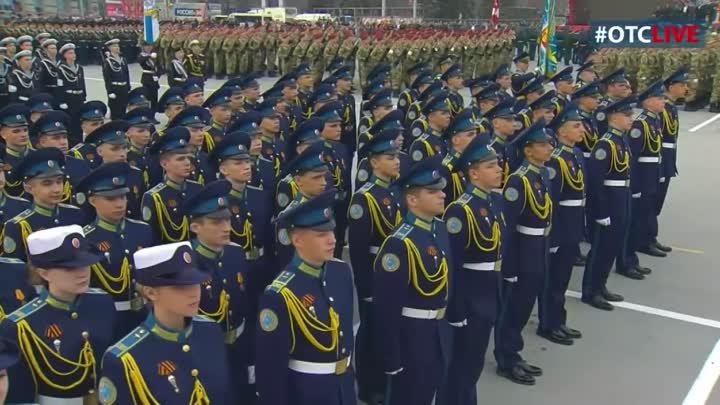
(51, 163)
(221, 202)
(115, 181)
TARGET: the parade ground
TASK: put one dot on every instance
(661, 346)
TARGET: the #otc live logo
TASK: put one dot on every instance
(654, 34)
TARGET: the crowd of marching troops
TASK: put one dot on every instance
(200, 260)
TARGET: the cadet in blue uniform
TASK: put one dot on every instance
(309, 177)
(527, 210)
(453, 82)
(411, 92)
(250, 90)
(585, 74)
(137, 98)
(430, 143)
(504, 80)
(43, 178)
(380, 106)
(273, 149)
(475, 225)
(675, 88)
(111, 146)
(246, 128)
(530, 92)
(566, 173)
(416, 123)
(224, 296)
(63, 331)
(307, 134)
(172, 102)
(139, 134)
(502, 120)
(374, 212)
(51, 131)
(193, 93)
(645, 141)
(9, 205)
(219, 105)
(342, 79)
(92, 116)
(175, 357)
(196, 120)
(161, 204)
(15, 289)
(411, 288)
(9, 356)
(587, 99)
(617, 87)
(39, 105)
(423, 80)
(458, 135)
(608, 190)
(391, 121)
(305, 328)
(117, 237)
(14, 131)
(564, 87)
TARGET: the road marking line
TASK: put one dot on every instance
(704, 123)
(658, 312)
(685, 250)
(705, 381)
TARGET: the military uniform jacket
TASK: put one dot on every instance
(407, 97)
(224, 298)
(363, 134)
(86, 152)
(4, 72)
(214, 134)
(250, 222)
(273, 150)
(21, 85)
(501, 149)
(560, 101)
(527, 211)
(15, 288)
(34, 219)
(374, 212)
(138, 158)
(338, 162)
(11, 206)
(363, 168)
(411, 277)
(567, 179)
(645, 140)
(454, 176)
(115, 274)
(456, 102)
(201, 168)
(474, 226)
(670, 130)
(161, 209)
(75, 170)
(48, 78)
(592, 133)
(600, 116)
(143, 362)
(13, 186)
(115, 74)
(71, 83)
(349, 120)
(428, 144)
(305, 321)
(61, 344)
(608, 173)
(177, 75)
(195, 65)
(150, 71)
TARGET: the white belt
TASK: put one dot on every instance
(649, 159)
(484, 266)
(637, 195)
(669, 145)
(423, 313)
(118, 83)
(43, 400)
(374, 249)
(662, 179)
(587, 155)
(367, 299)
(122, 305)
(616, 183)
(150, 72)
(309, 367)
(23, 98)
(573, 203)
(526, 230)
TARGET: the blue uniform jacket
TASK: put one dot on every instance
(608, 172)
(645, 140)
(567, 181)
(15, 288)
(428, 144)
(161, 210)
(670, 130)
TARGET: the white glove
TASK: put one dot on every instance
(153, 55)
(12, 89)
(112, 96)
(511, 279)
(394, 372)
(251, 374)
(63, 106)
(458, 324)
(604, 221)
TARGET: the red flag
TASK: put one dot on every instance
(495, 15)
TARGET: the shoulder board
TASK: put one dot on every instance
(129, 341)
(423, 137)
(280, 281)
(135, 169)
(23, 215)
(607, 137)
(254, 188)
(265, 159)
(520, 171)
(557, 153)
(68, 206)
(365, 188)
(96, 291)
(403, 231)
(193, 182)
(9, 197)
(77, 147)
(135, 221)
(26, 310)
(10, 260)
(157, 188)
(334, 259)
(463, 199)
(88, 228)
(202, 318)
(642, 117)
(447, 160)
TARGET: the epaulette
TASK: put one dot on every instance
(63, 205)
(135, 221)
(157, 188)
(11, 260)
(16, 198)
(463, 199)
(22, 216)
(556, 153)
(402, 231)
(365, 188)
(88, 228)
(96, 291)
(521, 171)
(642, 117)
(447, 161)
(193, 182)
(280, 281)
(423, 137)
(202, 318)
(129, 341)
(27, 309)
(254, 188)
(265, 159)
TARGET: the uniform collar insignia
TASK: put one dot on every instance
(174, 185)
(205, 251)
(48, 212)
(419, 222)
(239, 194)
(532, 167)
(109, 226)
(380, 182)
(56, 302)
(307, 268)
(15, 152)
(477, 192)
(166, 333)
(568, 149)
(615, 131)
